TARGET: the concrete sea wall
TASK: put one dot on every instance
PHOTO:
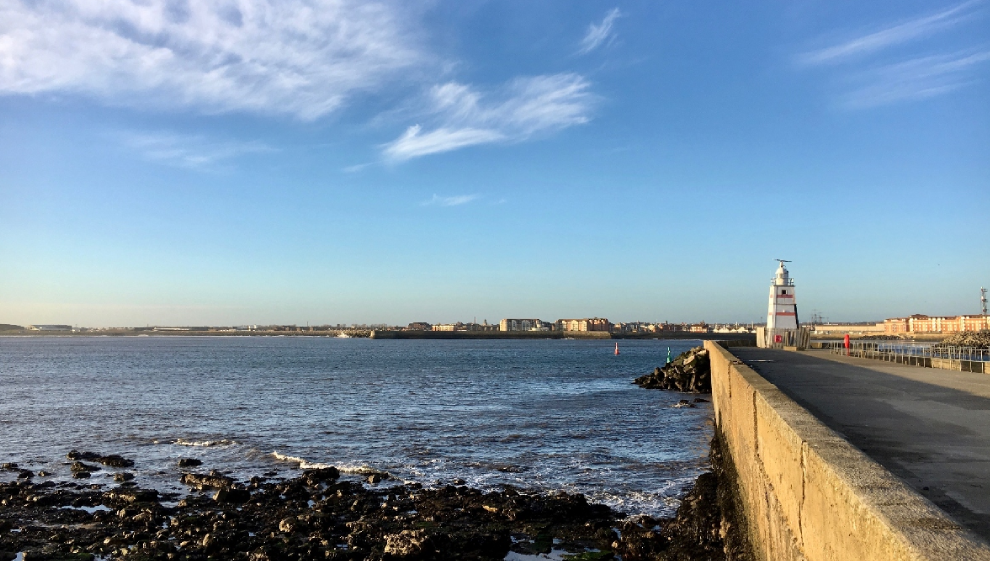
(807, 494)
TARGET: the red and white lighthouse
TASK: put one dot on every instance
(782, 313)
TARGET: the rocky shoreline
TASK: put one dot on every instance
(317, 515)
(689, 372)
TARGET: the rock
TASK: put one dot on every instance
(79, 467)
(81, 475)
(288, 525)
(312, 477)
(212, 480)
(689, 372)
(375, 478)
(9, 466)
(123, 476)
(684, 403)
(408, 544)
(115, 460)
(189, 462)
(25, 474)
(233, 495)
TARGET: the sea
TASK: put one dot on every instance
(546, 415)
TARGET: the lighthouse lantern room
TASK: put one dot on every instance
(782, 313)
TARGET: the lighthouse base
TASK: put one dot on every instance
(780, 338)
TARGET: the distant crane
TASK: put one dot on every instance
(983, 299)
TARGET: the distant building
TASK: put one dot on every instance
(586, 324)
(419, 326)
(700, 328)
(524, 325)
(446, 326)
(919, 323)
(50, 327)
(855, 328)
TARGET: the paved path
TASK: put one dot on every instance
(930, 427)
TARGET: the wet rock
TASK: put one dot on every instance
(189, 462)
(689, 372)
(123, 476)
(115, 460)
(684, 403)
(25, 474)
(313, 477)
(81, 475)
(80, 467)
(375, 478)
(9, 466)
(112, 460)
(212, 480)
(233, 495)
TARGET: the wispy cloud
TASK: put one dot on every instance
(189, 151)
(873, 78)
(356, 168)
(915, 79)
(524, 108)
(891, 36)
(599, 34)
(458, 200)
(303, 58)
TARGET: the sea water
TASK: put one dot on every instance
(537, 414)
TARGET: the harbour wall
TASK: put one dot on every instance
(806, 494)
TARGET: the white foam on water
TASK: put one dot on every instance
(89, 509)
(204, 443)
(301, 462)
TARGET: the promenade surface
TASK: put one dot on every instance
(929, 427)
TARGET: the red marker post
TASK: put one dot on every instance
(845, 341)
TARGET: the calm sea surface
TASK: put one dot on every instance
(549, 414)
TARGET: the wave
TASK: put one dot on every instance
(343, 468)
(204, 443)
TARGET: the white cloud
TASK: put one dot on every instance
(891, 36)
(449, 201)
(189, 151)
(599, 34)
(915, 79)
(518, 111)
(303, 58)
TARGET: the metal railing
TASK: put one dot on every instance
(967, 359)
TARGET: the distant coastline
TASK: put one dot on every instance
(384, 334)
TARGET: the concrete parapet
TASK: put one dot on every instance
(807, 494)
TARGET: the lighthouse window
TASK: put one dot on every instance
(784, 292)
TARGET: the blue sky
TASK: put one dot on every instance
(174, 162)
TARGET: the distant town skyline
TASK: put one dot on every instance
(179, 163)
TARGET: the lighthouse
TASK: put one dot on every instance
(782, 312)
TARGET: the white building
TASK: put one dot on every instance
(523, 325)
(782, 312)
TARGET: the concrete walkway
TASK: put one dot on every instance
(929, 427)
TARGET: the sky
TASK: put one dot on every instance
(169, 162)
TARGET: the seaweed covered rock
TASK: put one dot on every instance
(690, 372)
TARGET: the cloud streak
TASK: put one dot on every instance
(890, 36)
(524, 108)
(303, 58)
(189, 151)
(448, 201)
(914, 79)
(598, 35)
